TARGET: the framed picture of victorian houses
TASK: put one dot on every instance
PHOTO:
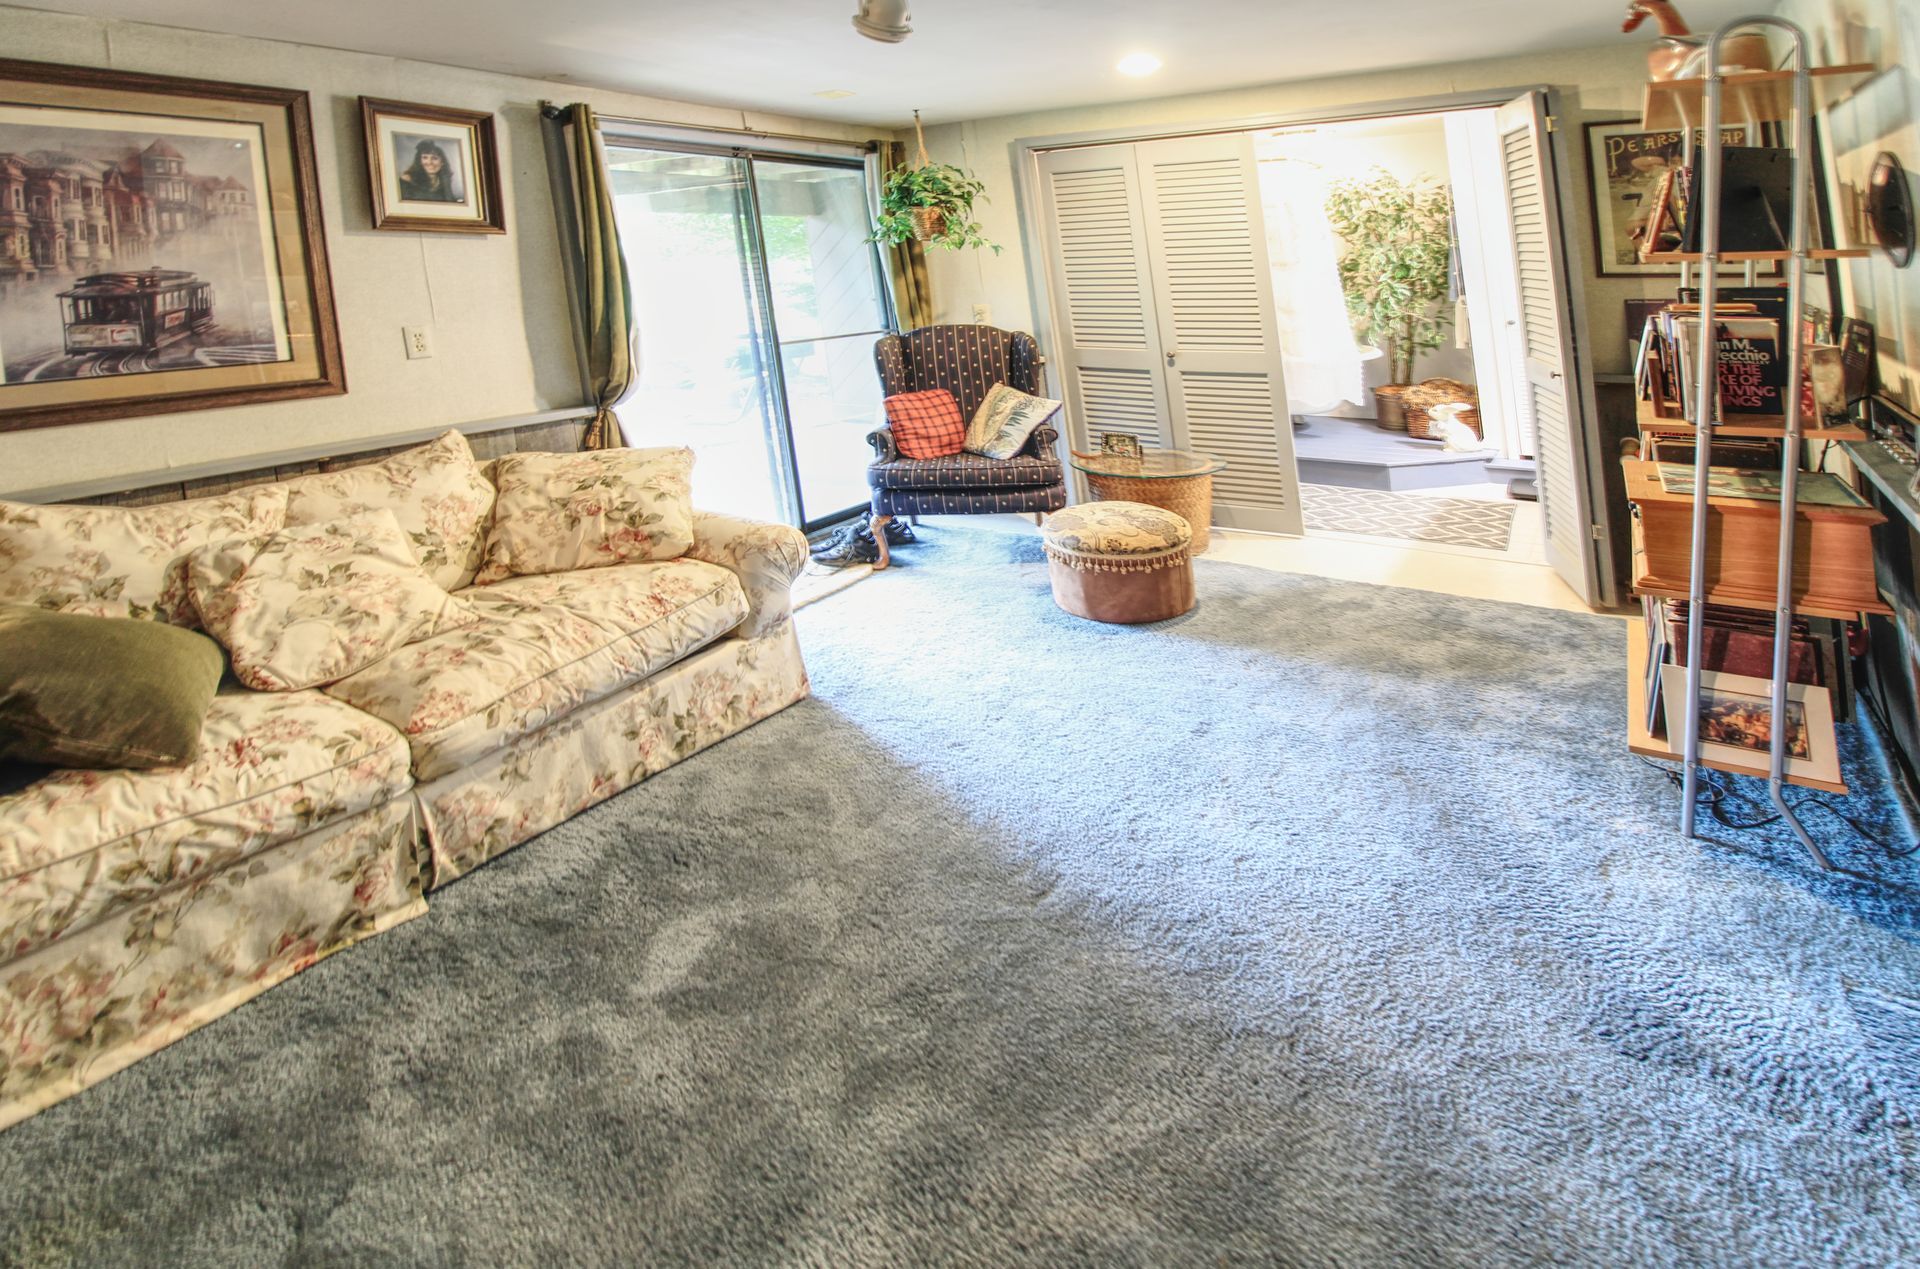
(161, 247)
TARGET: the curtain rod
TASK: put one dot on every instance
(554, 111)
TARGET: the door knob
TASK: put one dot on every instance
(1169, 359)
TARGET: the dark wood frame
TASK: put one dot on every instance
(1603, 265)
(493, 211)
(330, 378)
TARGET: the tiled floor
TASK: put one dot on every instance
(1446, 570)
(1517, 576)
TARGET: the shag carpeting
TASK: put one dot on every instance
(1329, 924)
(1410, 517)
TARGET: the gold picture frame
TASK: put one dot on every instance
(432, 169)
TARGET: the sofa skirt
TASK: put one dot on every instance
(104, 996)
(543, 779)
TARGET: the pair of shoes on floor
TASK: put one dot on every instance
(844, 547)
(854, 544)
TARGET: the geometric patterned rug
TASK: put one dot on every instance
(1387, 513)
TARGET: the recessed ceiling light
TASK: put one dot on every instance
(833, 94)
(1137, 64)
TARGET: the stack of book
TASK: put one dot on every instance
(1752, 365)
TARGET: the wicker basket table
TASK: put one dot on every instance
(1171, 479)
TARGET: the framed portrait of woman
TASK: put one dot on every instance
(432, 168)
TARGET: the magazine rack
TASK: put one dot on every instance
(1798, 112)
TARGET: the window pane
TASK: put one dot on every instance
(833, 395)
(819, 262)
(703, 364)
(825, 285)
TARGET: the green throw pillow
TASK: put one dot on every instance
(99, 692)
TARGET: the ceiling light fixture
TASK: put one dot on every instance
(834, 94)
(1138, 64)
(885, 20)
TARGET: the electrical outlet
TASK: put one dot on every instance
(982, 315)
(419, 341)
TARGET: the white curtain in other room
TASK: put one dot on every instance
(1321, 360)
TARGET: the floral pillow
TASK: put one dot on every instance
(436, 491)
(558, 512)
(1005, 419)
(122, 561)
(316, 602)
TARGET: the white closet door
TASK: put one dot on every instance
(1108, 342)
(1548, 393)
(1213, 298)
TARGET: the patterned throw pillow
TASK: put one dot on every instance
(1005, 419)
(436, 491)
(315, 602)
(122, 561)
(558, 512)
(926, 424)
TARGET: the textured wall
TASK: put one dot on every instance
(1881, 116)
(497, 304)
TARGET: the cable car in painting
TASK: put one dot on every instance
(134, 312)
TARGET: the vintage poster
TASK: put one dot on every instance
(1624, 166)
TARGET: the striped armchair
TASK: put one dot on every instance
(966, 361)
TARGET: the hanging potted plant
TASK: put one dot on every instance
(1396, 255)
(931, 203)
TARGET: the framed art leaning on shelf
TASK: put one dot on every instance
(161, 247)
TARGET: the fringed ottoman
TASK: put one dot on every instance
(1120, 562)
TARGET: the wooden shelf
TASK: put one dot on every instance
(1644, 486)
(1759, 600)
(1747, 97)
(1644, 742)
(1761, 425)
(1757, 257)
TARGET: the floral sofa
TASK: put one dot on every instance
(137, 905)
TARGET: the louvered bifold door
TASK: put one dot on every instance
(1108, 348)
(1545, 340)
(1220, 343)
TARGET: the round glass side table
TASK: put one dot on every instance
(1173, 479)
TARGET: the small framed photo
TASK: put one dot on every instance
(432, 168)
(1120, 443)
(1736, 722)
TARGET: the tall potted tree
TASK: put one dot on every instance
(1395, 256)
(931, 203)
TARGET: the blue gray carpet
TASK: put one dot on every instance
(1329, 924)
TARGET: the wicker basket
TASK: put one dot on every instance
(1391, 406)
(928, 223)
(1189, 497)
(1425, 395)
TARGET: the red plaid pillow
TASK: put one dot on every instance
(926, 424)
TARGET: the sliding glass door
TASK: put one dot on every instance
(758, 299)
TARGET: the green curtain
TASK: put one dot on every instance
(612, 349)
(907, 267)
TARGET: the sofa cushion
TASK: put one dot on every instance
(122, 561)
(559, 512)
(542, 647)
(78, 845)
(102, 691)
(315, 602)
(436, 491)
(965, 471)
